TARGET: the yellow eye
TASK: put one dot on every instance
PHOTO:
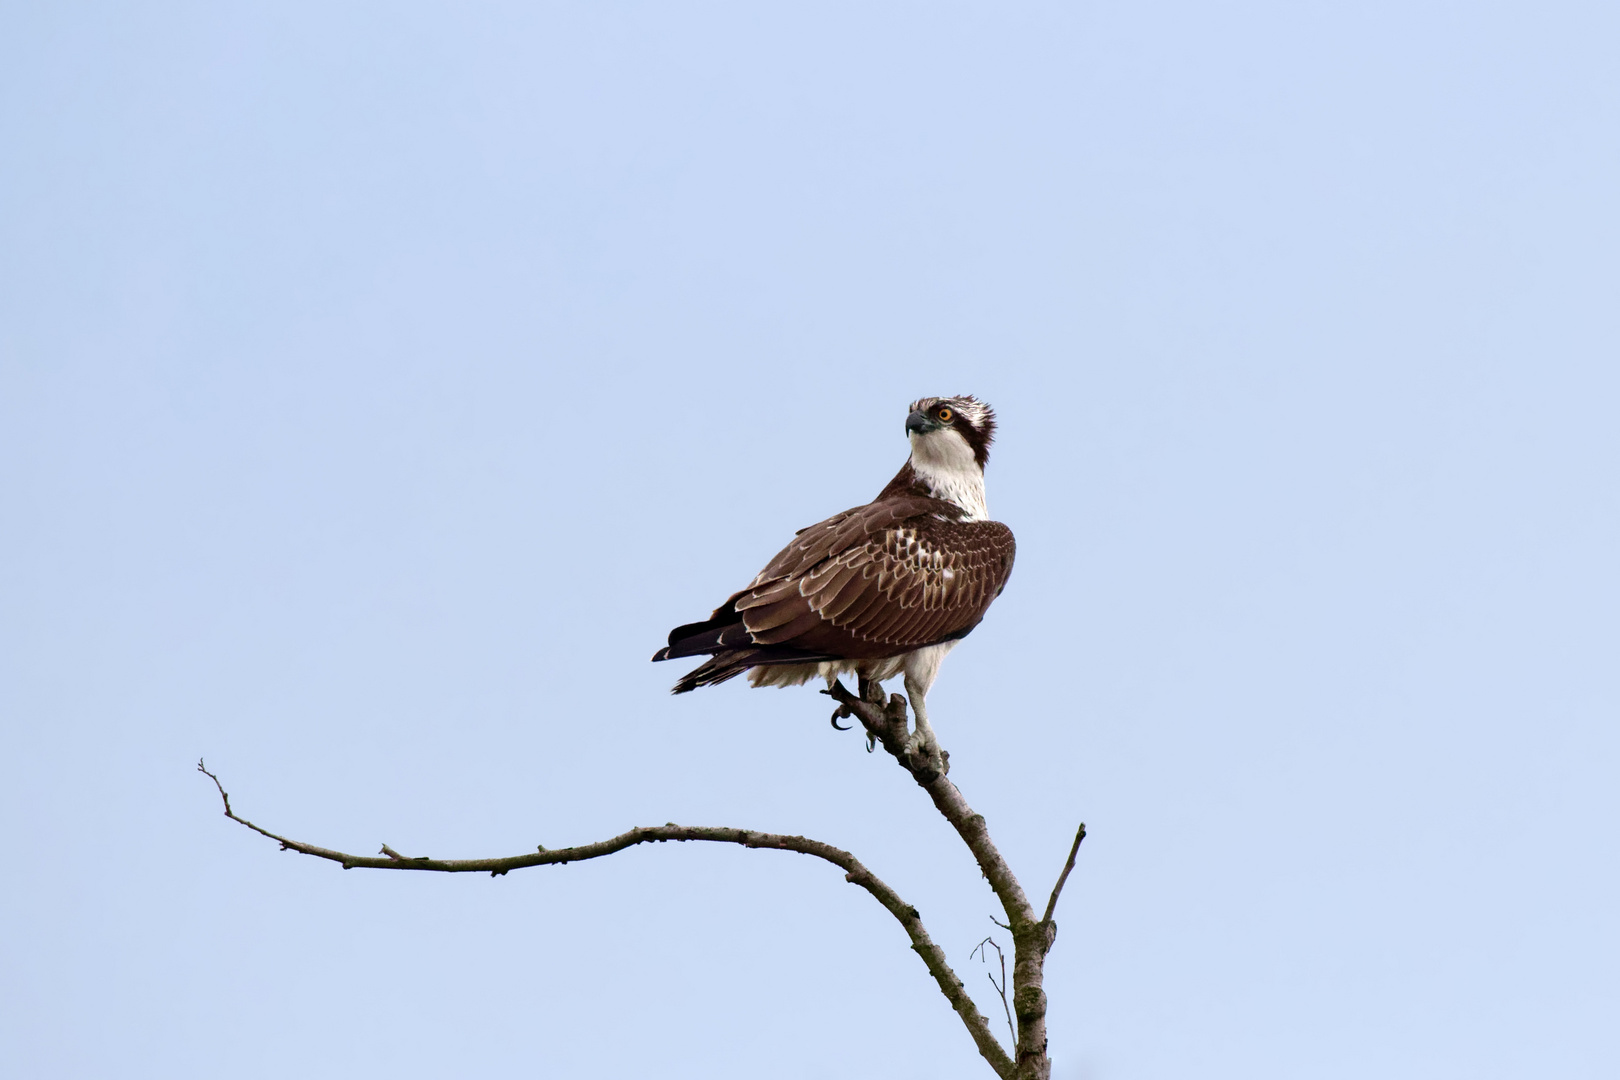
(945, 414)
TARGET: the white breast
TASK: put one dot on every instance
(943, 461)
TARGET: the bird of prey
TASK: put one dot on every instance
(880, 590)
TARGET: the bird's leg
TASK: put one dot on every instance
(917, 693)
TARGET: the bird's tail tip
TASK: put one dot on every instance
(717, 669)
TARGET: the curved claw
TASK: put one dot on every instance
(843, 712)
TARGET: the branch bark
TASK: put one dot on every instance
(885, 721)
(933, 957)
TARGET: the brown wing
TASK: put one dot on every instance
(878, 581)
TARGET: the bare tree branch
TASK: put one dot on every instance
(933, 957)
(1051, 905)
(886, 721)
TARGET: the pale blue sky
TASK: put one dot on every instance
(379, 383)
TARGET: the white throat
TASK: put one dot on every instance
(943, 461)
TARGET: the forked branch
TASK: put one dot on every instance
(854, 872)
(885, 721)
(1000, 987)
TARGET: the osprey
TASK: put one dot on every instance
(880, 590)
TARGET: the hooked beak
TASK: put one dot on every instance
(920, 423)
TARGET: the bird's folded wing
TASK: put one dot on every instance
(894, 575)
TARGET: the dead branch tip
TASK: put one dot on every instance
(226, 799)
(1074, 849)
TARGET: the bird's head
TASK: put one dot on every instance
(951, 429)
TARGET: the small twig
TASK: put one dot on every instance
(1051, 905)
(1001, 987)
(226, 798)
